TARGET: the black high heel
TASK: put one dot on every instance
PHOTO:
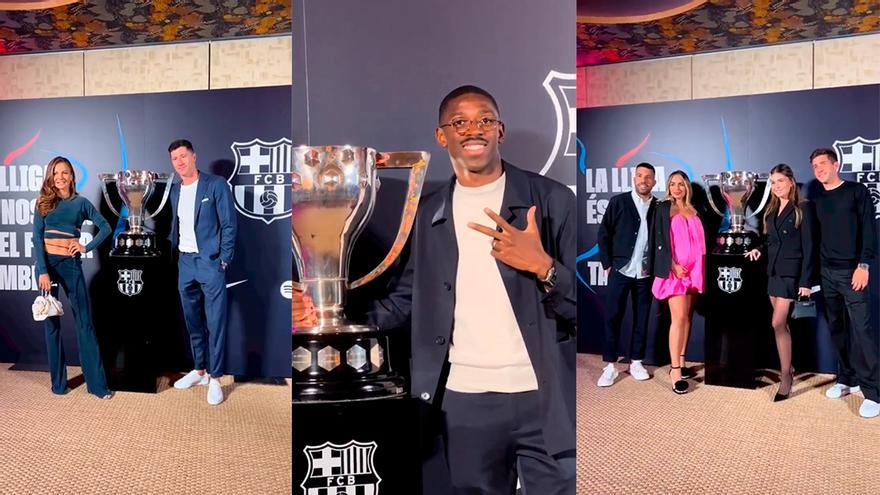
(679, 386)
(781, 397)
(686, 373)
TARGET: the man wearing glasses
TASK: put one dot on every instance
(492, 311)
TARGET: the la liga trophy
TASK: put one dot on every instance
(135, 187)
(334, 193)
(736, 188)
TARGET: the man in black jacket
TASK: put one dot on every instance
(623, 250)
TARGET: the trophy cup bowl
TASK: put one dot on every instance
(334, 192)
(736, 188)
(135, 187)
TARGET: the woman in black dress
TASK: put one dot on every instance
(789, 225)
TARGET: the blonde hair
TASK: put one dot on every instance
(689, 190)
(49, 196)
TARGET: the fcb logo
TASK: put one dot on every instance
(130, 282)
(341, 469)
(860, 161)
(729, 279)
(261, 181)
(562, 89)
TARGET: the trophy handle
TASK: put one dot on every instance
(766, 179)
(709, 179)
(418, 162)
(105, 178)
(168, 180)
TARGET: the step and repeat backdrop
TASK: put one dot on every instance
(752, 133)
(242, 135)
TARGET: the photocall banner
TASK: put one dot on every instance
(242, 135)
(752, 133)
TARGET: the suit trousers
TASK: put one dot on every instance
(494, 438)
(202, 287)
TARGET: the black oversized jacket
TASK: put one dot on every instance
(425, 293)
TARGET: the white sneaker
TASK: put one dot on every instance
(869, 409)
(840, 390)
(190, 379)
(609, 373)
(215, 392)
(637, 371)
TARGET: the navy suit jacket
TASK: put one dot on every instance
(425, 292)
(215, 222)
(620, 229)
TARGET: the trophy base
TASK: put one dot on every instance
(343, 366)
(136, 245)
(735, 242)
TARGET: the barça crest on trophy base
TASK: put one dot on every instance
(736, 188)
(333, 194)
(135, 187)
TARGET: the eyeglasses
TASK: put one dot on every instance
(461, 126)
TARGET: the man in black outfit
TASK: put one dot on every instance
(623, 250)
(847, 249)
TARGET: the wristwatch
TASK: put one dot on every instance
(864, 266)
(549, 280)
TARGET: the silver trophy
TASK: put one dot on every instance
(135, 187)
(334, 192)
(736, 188)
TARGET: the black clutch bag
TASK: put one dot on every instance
(804, 308)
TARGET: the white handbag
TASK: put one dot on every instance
(45, 305)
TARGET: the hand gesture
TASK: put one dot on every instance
(520, 249)
(304, 313)
(754, 254)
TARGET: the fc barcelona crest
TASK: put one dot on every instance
(729, 279)
(562, 89)
(341, 469)
(261, 181)
(130, 282)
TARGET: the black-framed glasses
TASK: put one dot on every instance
(461, 126)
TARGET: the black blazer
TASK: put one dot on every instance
(791, 251)
(619, 230)
(660, 261)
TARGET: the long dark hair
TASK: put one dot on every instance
(794, 196)
(49, 197)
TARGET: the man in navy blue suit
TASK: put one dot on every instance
(203, 231)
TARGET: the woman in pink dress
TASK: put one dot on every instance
(679, 251)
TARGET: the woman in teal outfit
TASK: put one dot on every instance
(59, 215)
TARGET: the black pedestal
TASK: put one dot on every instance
(134, 313)
(368, 446)
(737, 320)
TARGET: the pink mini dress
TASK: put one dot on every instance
(688, 250)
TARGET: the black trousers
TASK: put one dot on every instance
(639, 291)
(857, 343)
(494, 438)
